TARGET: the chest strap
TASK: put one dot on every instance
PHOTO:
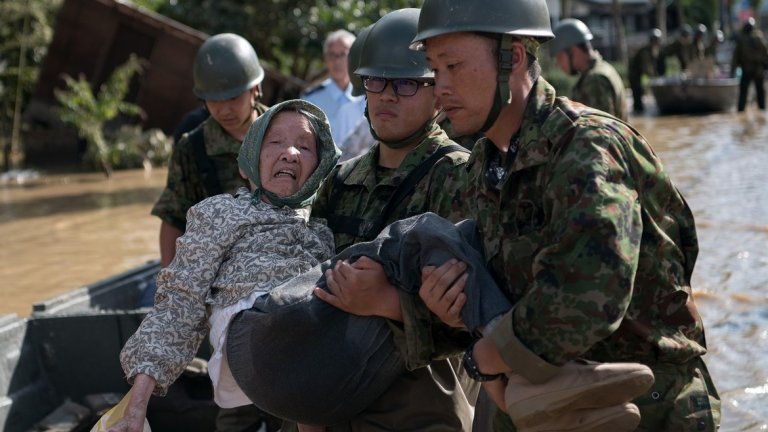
(367, 229)
(205, 167)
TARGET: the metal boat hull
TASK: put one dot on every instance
(685, 96)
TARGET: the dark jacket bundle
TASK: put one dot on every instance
(301, 359)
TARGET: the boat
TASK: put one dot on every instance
(680, 95)
(60, 366)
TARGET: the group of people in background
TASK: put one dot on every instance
(448, 113)
(696, 53)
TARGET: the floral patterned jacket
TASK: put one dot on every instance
(232, 247)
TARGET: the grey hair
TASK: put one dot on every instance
(338, 35)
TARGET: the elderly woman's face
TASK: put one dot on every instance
(288, 154)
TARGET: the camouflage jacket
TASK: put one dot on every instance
(184, 187)
(601, 87)
(644, 62)
(590, 240)
(751, 54)
(684, 53)
(362, 195)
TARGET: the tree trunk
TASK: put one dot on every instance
(565, 9)
(618, 27)
(661, 17)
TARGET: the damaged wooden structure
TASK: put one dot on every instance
(92, 38)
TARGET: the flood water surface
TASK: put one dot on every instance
(61, 231)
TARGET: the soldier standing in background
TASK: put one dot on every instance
(644, 63)
(227, 74)
(681, 48)
(751, 55)
(599, 85)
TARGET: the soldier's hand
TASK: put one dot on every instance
(442, 290)
(361, 288)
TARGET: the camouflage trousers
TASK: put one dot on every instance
(682, 399)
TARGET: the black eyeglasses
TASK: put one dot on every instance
(401, 86)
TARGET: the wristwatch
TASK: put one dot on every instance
(470, 365)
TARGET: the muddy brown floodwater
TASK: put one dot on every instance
(60, 231)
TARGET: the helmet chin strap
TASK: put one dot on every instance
(501, 98)
(417, 135)
(572, 71)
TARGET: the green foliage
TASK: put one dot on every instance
(26, 30)
(130, 147)
(89, 113)
(286, 33)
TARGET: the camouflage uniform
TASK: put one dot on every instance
(184, 187)
(595, 247)
(601, 87)
(424, 399)
(751, 54)
(644, 62)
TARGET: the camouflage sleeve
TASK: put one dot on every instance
(597, 92)
(179, 194)
(424, 338)
(583, 280)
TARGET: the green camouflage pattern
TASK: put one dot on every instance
(590, 240)
(425, 399)
(365, 195)
(184, 187)
(601, 87)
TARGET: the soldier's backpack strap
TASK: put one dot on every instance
(367, 229)
(205, 166)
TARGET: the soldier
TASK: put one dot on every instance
(751, 55)
(718, 37)
(227, 74)
(699, 45)
(681, 48)
(336, 91)
(599, 85)
(644, 63)
(582, 228)
(227, 77)
(412, 168)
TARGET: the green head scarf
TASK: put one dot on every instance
(327, 153)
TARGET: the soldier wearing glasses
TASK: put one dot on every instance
(357, 200)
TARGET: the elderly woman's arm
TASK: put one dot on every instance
(136, 411)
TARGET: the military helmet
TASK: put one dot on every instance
(386, 54)
(749, 25)
(511, 17)
(701, 30)
(655, 35)
(686, 30)
(353, 61)
(225, 66)
(570, 32)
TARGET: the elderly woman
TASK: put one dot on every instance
(236, 249)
